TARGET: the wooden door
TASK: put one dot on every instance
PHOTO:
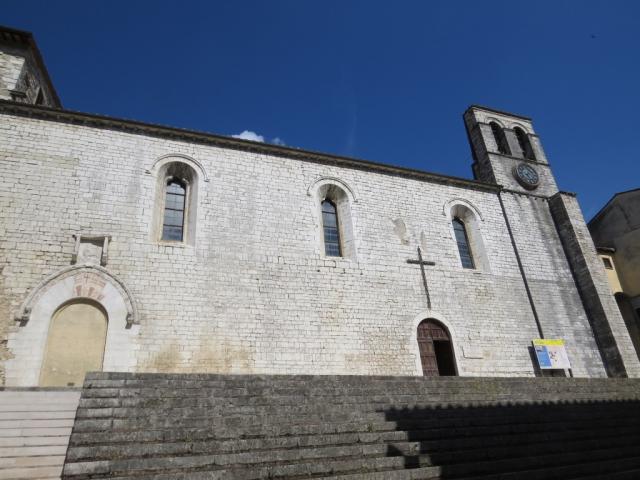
(428, 332)
(75, 345)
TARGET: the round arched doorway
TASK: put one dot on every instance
(436, 350)
(75, 344)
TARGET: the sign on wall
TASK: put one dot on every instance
(551, 354)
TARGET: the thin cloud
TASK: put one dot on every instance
(255, 137)
(249, 135)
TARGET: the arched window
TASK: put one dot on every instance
(501, 139)
(525, 144)
(462, 239)
(331, 229)
(174, 206)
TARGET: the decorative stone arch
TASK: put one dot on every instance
(74, 283)
(521, 126)
(322, 181)
(82, 289)
(343, 197)
(473, 220)
(495, 120)
(453, 334)
(450, 206)
(190, 174)
(179, 157)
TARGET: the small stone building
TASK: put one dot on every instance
(132, 247)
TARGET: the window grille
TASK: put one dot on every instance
(463, 243)
(173, 222)
(331, 230)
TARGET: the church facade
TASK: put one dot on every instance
(134, 247)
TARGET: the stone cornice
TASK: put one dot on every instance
(173, 133)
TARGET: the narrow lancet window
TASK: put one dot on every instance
(501, 139)
(173, 222)
(331, 230)
(463, 243)
(525, 144)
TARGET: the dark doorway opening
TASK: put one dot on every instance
(444, 358)
(436, 350)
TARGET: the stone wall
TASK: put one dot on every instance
(255, 293)
(608, 326)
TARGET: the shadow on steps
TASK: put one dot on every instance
(543, 440)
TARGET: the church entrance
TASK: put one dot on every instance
(75, 345)
(436, 351)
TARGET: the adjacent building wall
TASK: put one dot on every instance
(608, 326)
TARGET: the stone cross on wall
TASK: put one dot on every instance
(422, 263)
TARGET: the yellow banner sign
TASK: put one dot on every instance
(548, 342)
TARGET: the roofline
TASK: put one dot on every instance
(500, 112)
(162, 131)
(28, 38)
(615, 195)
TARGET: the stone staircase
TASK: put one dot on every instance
(196, 427)
(34, 431)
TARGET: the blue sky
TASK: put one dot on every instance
(383, 81)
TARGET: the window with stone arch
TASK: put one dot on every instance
(466, 233)
(333, 206)
(331, 229)
(500, 138)
(174, 208)
(462, 239)
(176, 203)
(525, 143)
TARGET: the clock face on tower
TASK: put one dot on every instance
(526, 176)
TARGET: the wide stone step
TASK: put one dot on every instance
(256, 427)
(292, 468)
(443, 394)
(610, 469)
(247, 426)
(257, 452)
(31, 473)
(343, 413)
(35, 426)
(117, 448)
(616, 469)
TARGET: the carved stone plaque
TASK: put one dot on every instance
(91, 249)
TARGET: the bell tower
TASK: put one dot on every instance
(507, 151)
(554, 251)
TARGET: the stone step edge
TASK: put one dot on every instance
(414, 473)
(366, 430)
(107, 424)
(382, 444)
(344, 460)
(87, 413)
(361, 440)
